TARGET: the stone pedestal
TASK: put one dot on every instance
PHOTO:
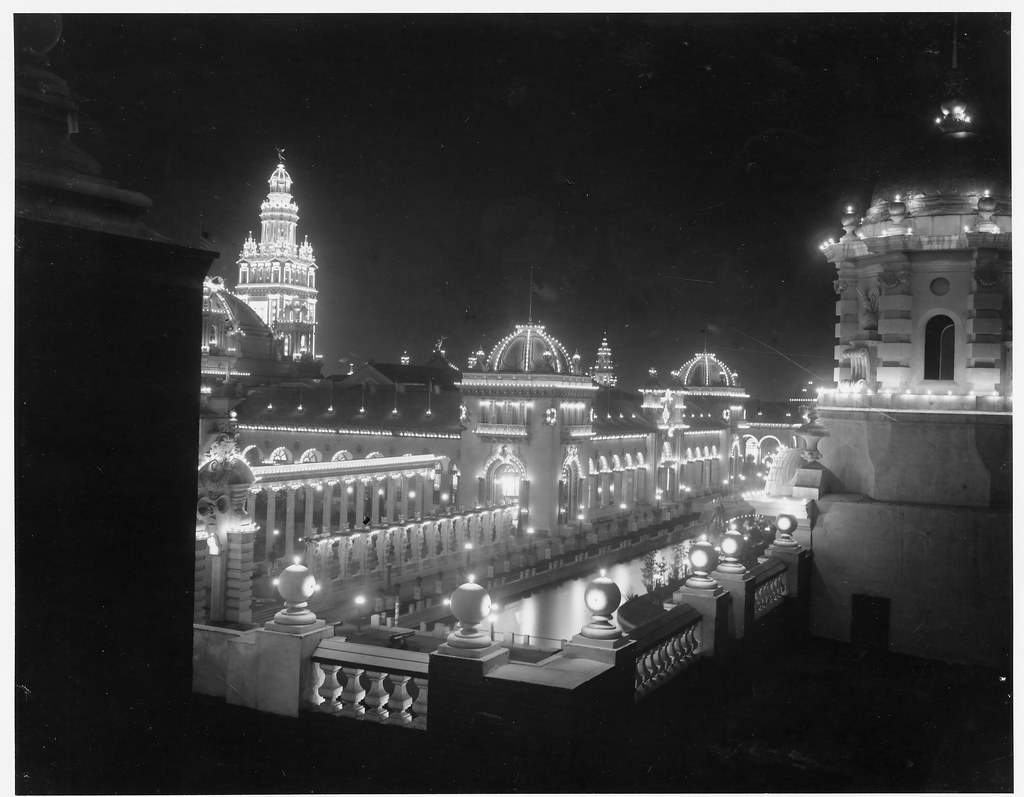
(199, 593)
(238, 598)
(218, 576)
(798, 568)
(740, 587)
(606, 651)
(286, 677)
(713, 605)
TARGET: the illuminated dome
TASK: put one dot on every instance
(218, 300)
(280, 181)
(529, 349)
(705, 370)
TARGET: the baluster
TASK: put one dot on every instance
(330, 689)
(352, 698)
(398, 705)
(377, 697)
(419, 708)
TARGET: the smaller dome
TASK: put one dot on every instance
(705, 370)
(529, 349)
(280, 181)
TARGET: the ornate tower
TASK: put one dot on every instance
(277, 276)
(604, 368)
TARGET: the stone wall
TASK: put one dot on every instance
(946, 571)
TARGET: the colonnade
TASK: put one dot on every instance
(294, 509)
(465, 539)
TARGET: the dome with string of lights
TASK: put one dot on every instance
(959, 168)
(705, 370)
(530, 349)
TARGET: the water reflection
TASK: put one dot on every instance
(558, 611)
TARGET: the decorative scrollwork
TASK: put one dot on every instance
(841, 285)
(987, 277)
(893, 279)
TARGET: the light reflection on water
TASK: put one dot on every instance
(558, 611)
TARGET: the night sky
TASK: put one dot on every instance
(663, 174)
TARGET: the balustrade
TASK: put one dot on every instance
(665, 647)
(368, 672)
(769, 590)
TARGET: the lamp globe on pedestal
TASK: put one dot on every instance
(786, 524)
(602, 598)
(732, 545)
(296, 586)
(703, 559)
(470, 604)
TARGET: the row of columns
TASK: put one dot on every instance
(614, 487)
(486, 531)
(391, 491)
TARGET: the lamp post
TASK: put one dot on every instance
(360, 600)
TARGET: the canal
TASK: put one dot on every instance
(558, 612)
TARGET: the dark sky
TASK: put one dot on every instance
(655, 170)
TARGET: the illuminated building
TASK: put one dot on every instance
(699, 412)
(277, 275)
(902, 483)
(604, 368)
(533, 431)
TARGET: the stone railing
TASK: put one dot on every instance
(502, 429)
(572, 432)
(356, 679)
(665, 647)
(769, 587)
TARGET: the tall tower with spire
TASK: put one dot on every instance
(604, 368)
(277, 275)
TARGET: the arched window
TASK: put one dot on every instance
(939, 347)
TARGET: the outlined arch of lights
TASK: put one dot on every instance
(571, 458)
(708, 360)
(508, 458)
(527, 332)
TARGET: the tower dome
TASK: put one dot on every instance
(530, 348)
(945, 172)
(280, 181)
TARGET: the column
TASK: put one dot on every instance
(289, 524)
(404, 486)
(328, 500)
(307, 520)
(391, 485)
(375, 503)
(344, 552)
(593, 482)
(269, 536)
(426, 505)
(343, 515)
(360, 488)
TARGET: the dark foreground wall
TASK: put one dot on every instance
(942, 575)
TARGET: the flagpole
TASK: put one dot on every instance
(531, 296)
